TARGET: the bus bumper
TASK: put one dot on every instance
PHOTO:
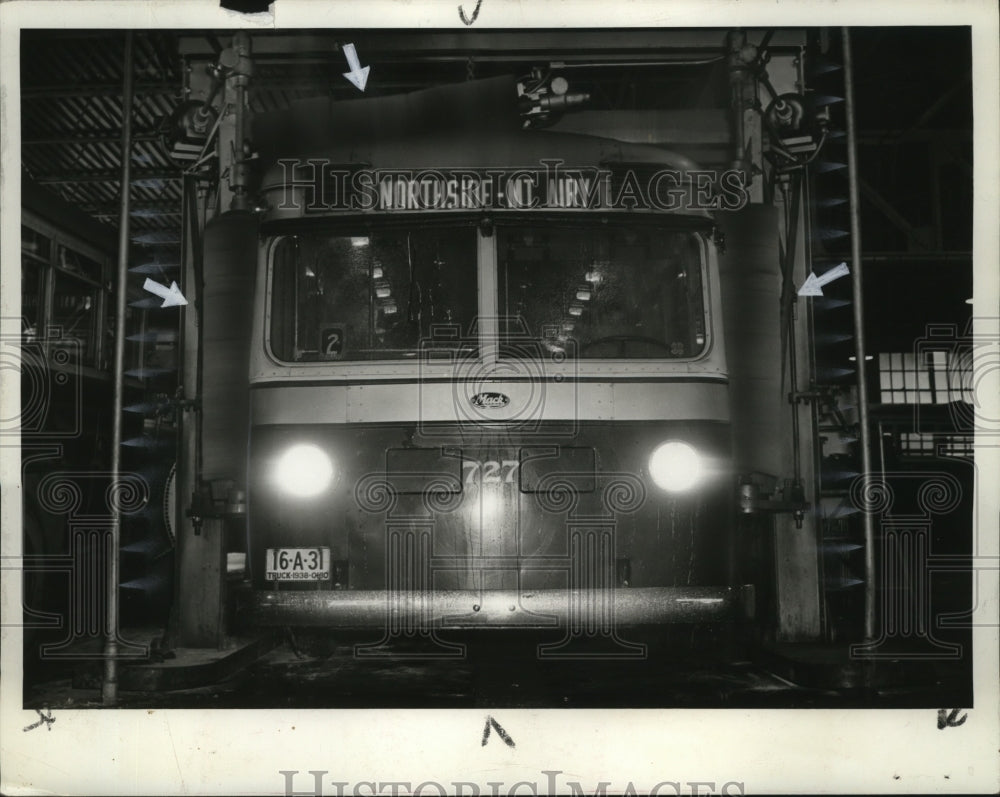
(457, 609)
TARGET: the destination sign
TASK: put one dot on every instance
(318, 186)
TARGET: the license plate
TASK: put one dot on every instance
(298, 564)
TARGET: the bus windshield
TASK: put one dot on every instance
(372, 295)
(600, 291)
(582, 289)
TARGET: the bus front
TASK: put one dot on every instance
(482, 396)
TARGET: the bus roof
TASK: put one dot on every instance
(472, 127)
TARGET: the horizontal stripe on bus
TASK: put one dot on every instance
(451, 402)
(270, 384)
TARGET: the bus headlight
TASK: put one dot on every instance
(303, 470)
(675, 466)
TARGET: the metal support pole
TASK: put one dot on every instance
(859, 333)
(109, 688)
(242, 69)
(735, 41)
(793, 376)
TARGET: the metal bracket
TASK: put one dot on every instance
(205, 506)
(719, 239)
(200, 508)
(187, 404)
(809, 396)
(757, 493)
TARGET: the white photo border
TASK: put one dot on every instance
(126, 751)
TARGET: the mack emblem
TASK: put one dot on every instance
(490, 401)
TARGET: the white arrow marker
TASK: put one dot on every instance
(358, 74)
(813, 286)
(171, 296)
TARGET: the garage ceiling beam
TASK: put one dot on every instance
(319, 85)
(915, 235)
(58, 90)
(85, 137)
(521, 44)
(139, 208)
(925, 134)
(143, 214)
(938, 257)
(932, 110)
(106, 176)
(939, 103)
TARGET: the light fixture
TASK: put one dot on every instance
(303, 471)
(359, 242)
(675, 466)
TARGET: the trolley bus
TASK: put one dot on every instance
(488, 387)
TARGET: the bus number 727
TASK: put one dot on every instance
(490, 472)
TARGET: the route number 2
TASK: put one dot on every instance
(490, 472)
(332, 341)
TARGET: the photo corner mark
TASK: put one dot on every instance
(43, 719)
(950, 719)
(493, 725)
(475, 13)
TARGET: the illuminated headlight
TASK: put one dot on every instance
(675, 466)
(303, 471)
